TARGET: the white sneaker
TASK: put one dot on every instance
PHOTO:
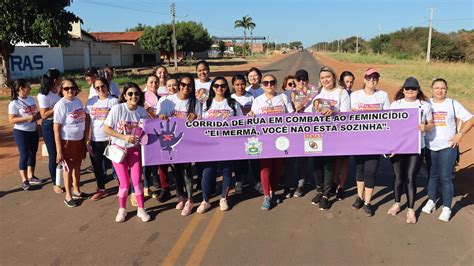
(203, 207)
(258, 187)
(238, 187)
(445, 214)
(429, 207)
(120, 218)
(223, 204)
(141, 213)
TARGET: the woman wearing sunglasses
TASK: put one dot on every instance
(289, 84)
(70, 127)
(219, 105)
(23, 114)
(182, 105)
(407, 166)
(271, 102)
(369, 98)
(124, 127)
(97, 109)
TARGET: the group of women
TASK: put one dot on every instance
(70, 129)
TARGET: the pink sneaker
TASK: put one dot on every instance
(181, 202)
(188, 208)
(204, 207)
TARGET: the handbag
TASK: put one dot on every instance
(115, 153)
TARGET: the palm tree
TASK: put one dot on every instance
(244, 23)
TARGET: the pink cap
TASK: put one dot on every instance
(371, 71)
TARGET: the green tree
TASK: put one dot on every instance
(158, 39)
(139, 27)
(295, 44)
(32, 21)
(222, 48)
(244, 23)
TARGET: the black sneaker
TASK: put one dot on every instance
(332, 191)
(70, 203)
(287, 192)
(357, 203)
(164, 195)
(299, 192)
(79, 196)
(368, 209)
(340, 194)
(324, 203)
(317, 198)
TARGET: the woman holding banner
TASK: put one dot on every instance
(182, 105)
(271, 102)
(219, 105)
(407, 166)
(443, 146)
(367, 99)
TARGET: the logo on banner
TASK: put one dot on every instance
(282, 144)
(313, 143)
(168, 140)
(253, 146)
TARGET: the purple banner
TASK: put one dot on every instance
(286, 135)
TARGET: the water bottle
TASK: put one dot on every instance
(59, 176)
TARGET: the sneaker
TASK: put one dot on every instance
(429, 207)
(368, 209)
(89, 169)
(445, 214)
(223, 204)
(267, 203)
(70, 203)
(324, 203)
(287, 192)
(357, 203)
(258, 187)
(340, 194)
(101, 193)
(332, 191)
(133, 200)
(394, 209)
(79, 196)
(25, 185)
(411, 216)
(35, 181)
(141, 213)
(275, 199)
(317, 198)
(146, 192)
(120, 218)
(238, 187)
(164, 195)
(181, 201)
(203, 207)
(298, 192)
(188, 208)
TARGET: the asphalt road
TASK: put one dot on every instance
(37, 228)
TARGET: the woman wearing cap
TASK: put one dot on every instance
(331, 99)
(443, 143)
(271, 102)
(407, 166)
(70, 127)
(97, 109)
(369, 98)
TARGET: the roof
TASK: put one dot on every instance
(129, 36)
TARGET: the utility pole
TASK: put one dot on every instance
(173, 14)
(357, 44)
(428, 50)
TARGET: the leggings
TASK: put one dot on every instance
(27, 142)
(325, 167)
(163, 170)
(48, 137)
(406, 168)
(132, 162)
(184, 179)
(99, 162)
(209, 178)
(366, 167)
(269, 173)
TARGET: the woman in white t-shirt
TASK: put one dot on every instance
(97, 109)
(183, 105)
(123, 125)
(271, 102)
(47, 98)
(172, 86)
(443, 144)
(203, 82)
(23, 114)
(219, 105)
(254, 77)
(162, 74)
(70, 127)
(407, 166)
(367, 99)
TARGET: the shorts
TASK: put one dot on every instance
(73, 152)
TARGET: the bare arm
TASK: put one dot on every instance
(57, 139)
(46, 112)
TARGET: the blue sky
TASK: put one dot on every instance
(281, 20)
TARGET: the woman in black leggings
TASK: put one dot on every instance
(407, 166)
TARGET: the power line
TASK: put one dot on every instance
(454, 19)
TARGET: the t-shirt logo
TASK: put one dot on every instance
(99, 113)
(369, 106)
(78, 116)
(218, 113)
(273, 110)
(440, 119)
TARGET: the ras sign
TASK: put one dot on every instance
(32, 61)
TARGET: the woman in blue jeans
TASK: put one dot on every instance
(443, 141)
(47, 98)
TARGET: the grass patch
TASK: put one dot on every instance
(367, 58)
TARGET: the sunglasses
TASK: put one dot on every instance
(216, 86)
(290, 84)
(410, 89)
(100, 87)
(131, 93)
(269, 82)
(182, 84)
(369, 78)
(301, 79)
(69, 88)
